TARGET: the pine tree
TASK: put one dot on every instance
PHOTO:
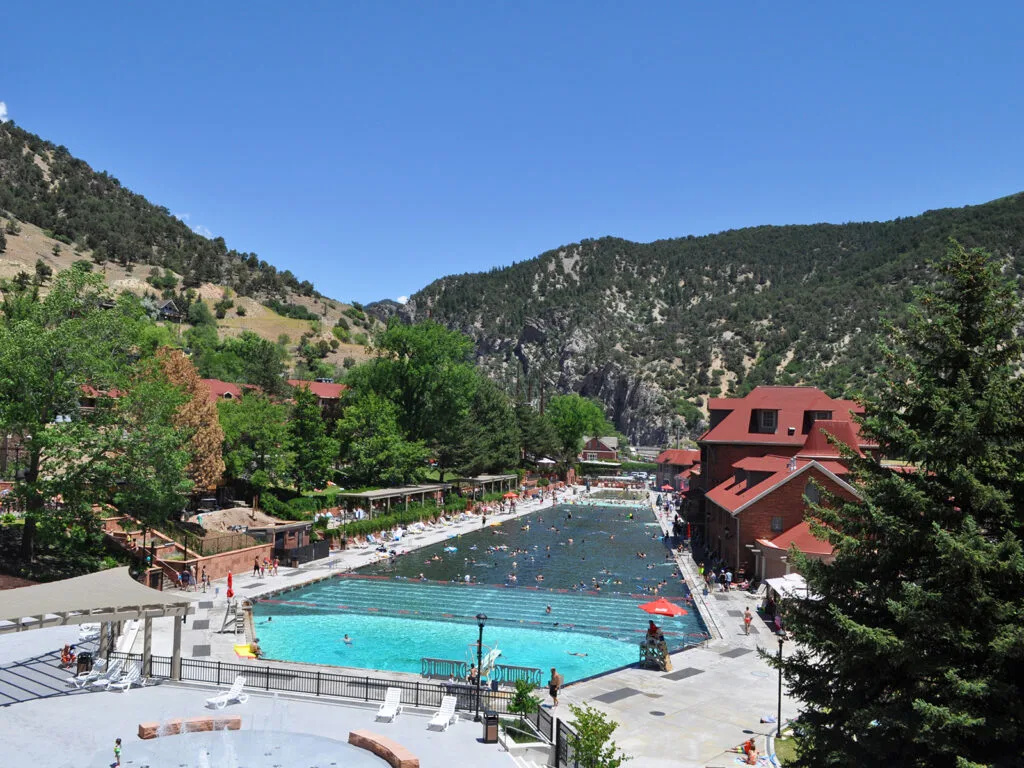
(315, 450)
(198, 416)
(913, 651)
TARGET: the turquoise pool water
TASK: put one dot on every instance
(394, 621)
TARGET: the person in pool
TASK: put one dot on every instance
(347, 640)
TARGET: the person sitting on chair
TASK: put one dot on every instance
(67, 655)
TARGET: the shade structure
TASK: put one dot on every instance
(662, 607)
(231, 591)
(667, 487)
(511, 495)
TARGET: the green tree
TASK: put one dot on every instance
(54, 352)
(43, 272)
(426, 371)
(537, 435)
(911, 655)
(523, 702)
(572, 417)
(256, 441)
(592, 747)
(373, 446)
(315, 451)
(491, 434)
(262, 361)
(199, 314)
(3, 242)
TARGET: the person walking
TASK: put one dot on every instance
(206, 579)
(554, 684)
(728, 580)
(747, 618)
(256, 566)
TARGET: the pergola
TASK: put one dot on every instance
(104, 597)
(488, 482)
(389, 495)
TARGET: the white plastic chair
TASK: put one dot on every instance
(392, 706)
(126, 681)
(234, 694)
(106, 678)
(88, 678)
(445, 716)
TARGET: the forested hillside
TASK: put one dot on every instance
(653, 329)
(41, 183)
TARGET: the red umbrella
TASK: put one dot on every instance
(667, 488)
(511, 495)
(662, 607)
(231, 592)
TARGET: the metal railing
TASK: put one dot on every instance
(445, 669)
(565, 754)
(267, 677)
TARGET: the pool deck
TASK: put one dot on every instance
(714, 698)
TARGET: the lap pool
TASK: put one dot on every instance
(395, 617)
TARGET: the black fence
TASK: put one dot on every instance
(543, 723)
(321, 683)
(316, 550)
(565, 755)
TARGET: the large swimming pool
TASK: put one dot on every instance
(420, 605)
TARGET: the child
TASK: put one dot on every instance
(117, 752)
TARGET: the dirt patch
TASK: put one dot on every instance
(222, 519)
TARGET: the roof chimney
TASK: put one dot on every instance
(790, 431)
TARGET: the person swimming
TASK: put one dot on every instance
(347, 640)
(576, 653)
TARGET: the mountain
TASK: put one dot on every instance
(64, 211)
(654, 329)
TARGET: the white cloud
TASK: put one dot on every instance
(199, 229)
(182, 216)
(3, 112)
(402, 299)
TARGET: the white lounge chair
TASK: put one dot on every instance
(445, 716)
(106, 678)
(234, 694)
(107, 682)
(392, 706)
(88, 678)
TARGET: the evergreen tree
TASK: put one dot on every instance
(491, 434)
(3, 242)
(913, 651)
(315, 451)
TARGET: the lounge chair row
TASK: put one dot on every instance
(392, 708)
(111, 680)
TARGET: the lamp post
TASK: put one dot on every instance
(778, 719)
(481, 619)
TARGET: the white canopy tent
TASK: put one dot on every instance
(107, 596)
(790, 585)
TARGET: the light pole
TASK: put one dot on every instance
(481, 619)
(778, 719)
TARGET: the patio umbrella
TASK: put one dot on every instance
(511, 495)
(231, 592)
(662, 607)
(667, 487)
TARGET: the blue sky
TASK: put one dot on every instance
(372, 147)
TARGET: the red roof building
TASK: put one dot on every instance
(600, 449)
(676, 466)
(222, 390)
(771, 553)
(762, 455)
(328, 393)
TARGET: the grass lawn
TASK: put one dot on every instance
(785, 750)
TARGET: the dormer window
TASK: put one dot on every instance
(819, 415)
(767, 421)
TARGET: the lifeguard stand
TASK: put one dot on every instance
(654, 655)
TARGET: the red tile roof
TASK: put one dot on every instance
(734, 414)
(221, 389)
(818, 445)
(735, 495)
(680, 457)
(800, 535)
(321, 389)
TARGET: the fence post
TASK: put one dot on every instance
(218, 673)
(268, 679)
(366, 693)
(318, 682)
(417, 693)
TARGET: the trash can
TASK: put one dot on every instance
(490, 727)
(84, 662)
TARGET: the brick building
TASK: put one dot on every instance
(678, 467)
(762, 458)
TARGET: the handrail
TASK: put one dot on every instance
(443, 669)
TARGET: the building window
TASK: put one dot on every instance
(777, 524)
(768, 420)
(812, 493)
(820, 416)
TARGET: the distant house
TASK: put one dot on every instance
(91, 397)
(327, 392)
(222, 390)
(676, 466)
(168, 310)
(600, 449)
(771, 553)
